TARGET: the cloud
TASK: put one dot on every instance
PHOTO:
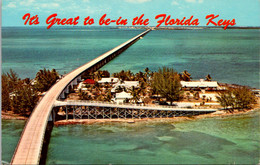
(194, 1)
(137, 1)
(27, 2)
(191, 1)
(175, 3)
(12, 5)
(49, 5)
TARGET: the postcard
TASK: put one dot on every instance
(130, 81)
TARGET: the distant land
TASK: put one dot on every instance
(183, 27)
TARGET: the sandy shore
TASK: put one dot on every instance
(12, 116)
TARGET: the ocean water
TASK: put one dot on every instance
(229, 56)
(228, 140)
(231, 140)
(11, 131)
(27, 50)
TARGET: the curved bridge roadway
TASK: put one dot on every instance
(29, 147)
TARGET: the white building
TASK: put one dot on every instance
(109, 80)
(200, 84)
(209, 96)
(122, 96)
(81, 86)
(126, 84)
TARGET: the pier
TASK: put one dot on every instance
(30, 145)
(104, 110)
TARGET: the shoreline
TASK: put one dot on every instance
(12, 116)
(222, 114)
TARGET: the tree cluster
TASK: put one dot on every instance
(236, 98)
(45, 79)
(18, 95)
(21, 96)
(167, 83)
(130, 76)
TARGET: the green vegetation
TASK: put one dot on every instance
(18, 95)
(208, 78)
(45, 79)
(135, 92)
(130, 76)
(167, 83)
(185, 76)
(101, 73)
(236, 98)
(83, 95)
(21, 96)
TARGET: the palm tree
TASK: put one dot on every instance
(108, 96)
(105, 73)
(208, 78)
(129, 75)
(13, 80)
(97, 88)
(147, 73)
(119, 89)
(45, 79)
(83, 95)
(142, 88)
(186, 76)
(135, 93)
(98, 75)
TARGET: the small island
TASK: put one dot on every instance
(163, 88)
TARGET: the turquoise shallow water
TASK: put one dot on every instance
(228, 140)
(230, 56)
(27, 50)
(232, 140)
(11, 131)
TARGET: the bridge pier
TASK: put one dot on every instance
(62, 95)
(73, 112)
(52, 116)
(67, 90)
(66, 112)
(79, 78)
(75, 82)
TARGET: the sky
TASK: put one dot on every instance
(245, 12)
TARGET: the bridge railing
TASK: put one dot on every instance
(75, 102)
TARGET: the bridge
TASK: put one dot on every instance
(29, 148)
(106, 110)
